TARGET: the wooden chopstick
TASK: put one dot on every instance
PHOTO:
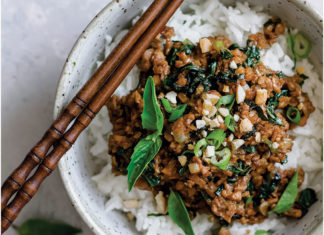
(74, 108)
(50, 162)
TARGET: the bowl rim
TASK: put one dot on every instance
(56, 112)
(300, 4)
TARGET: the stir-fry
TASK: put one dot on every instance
(206, 127)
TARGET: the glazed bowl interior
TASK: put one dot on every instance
(76, 167)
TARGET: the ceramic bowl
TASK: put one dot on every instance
(76, 168)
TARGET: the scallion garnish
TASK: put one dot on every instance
(293, 115)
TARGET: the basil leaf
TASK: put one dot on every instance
(230, 123)
(273, 118)
(307, 198)
(42, 226)
(195, 76)
(257, 108)
(253, 54)
(177, 112)
(167, 105)
(226, 54)
(152, 117)
(249, 148)
(205, 196)
(144, 152)
(219, 189)
(248, 200)
(226, 99)
(233, 46)
(268, 187)
(288, 197)
(249, 134)
(274, 101)
(189, 154)
(178, 213)
(262, 232)
(150, 177)
(240, 169)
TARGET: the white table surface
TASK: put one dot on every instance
(36, 39)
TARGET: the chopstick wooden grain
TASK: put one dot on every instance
(74, 108)
(28, 190)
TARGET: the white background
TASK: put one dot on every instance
(36, 39)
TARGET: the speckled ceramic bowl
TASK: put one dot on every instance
(75, 167)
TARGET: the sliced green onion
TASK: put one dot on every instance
(230, 123)
(218, 45)
(187, 42)
(216, 137)
(293, 115)
(201, 144)
(226, 99)
(269, 143)
(302, 46)
(221, 158)
(291, 42)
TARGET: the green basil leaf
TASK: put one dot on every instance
(274, 101)
(307, 198)
(262, 232)
(144, 152)
(42, 226)
(257, 108)
(249, 134)
(150, 177)
(178, 213)
(269, 186)
(189, 154)
(288, 197)
(226, 54)
(240, 169)
(250, 148)
(219, 190)
(226, 99)
(152, 117)
(167, 105)
(205, 196)
(273, 118)
(253, 54)
(233, 46)
(177, 112)
(248, 200)
(230, 123)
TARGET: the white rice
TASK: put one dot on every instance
(236, 23)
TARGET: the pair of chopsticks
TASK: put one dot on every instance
(82, 109)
